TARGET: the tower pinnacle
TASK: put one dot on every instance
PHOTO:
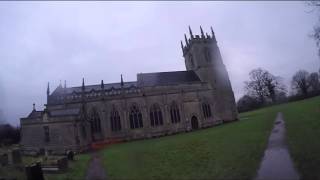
(102, 84)
(202, 34)
(185, 38)
(48, 89)
(83, 87)
(190, 31)
(122, 81)
(213, 36)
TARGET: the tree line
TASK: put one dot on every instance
(263, 89)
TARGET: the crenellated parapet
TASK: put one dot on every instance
(203, 38)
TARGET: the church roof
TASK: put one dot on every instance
(88, 88)
(35, 114)
(167, 78)
(65, 112)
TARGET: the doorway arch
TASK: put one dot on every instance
(194, 123)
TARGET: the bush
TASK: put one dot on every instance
(9, 134)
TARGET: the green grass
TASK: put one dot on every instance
(224, 152)
(303, 132)
(77, 169)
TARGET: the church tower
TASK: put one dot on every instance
(202, 55)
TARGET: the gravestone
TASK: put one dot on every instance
(62, 163)
(15, 156)
(34, 172)
(70, 155)
(4, 160)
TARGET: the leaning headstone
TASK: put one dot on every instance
(4, 160)
(70, 155)
(62, 163)
(16, 156)
(34, 172)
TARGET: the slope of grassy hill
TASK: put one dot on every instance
(224, 152)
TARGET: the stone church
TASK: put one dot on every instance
(157, 104)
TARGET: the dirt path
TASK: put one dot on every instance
(95, 170)
(277, 163)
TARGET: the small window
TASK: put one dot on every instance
(95, 122)
(46, 134)
(83, 130)
(207, 54)
(115, 120)
(191, 61)
(206, 110)
(135, 117)
(174, 113)
(156, 115)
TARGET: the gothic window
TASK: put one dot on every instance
(83, 131)
(115, 120)
(206, 110)
(46, 134)
(95, 122)
(156, 115)
(135, 117)
(207, 54)
(174, 113)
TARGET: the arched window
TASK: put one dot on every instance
(95, 122)
(156, 115)
(115, 120)
(174, 113)
(135, 117)
(207, 54)
(191, 60)
(206, 110)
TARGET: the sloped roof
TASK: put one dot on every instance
(65, 112)
(97, 87)
(35, 114)
(167, 78)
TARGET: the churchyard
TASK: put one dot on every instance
(228, 151)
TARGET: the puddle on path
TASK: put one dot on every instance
(277, 163)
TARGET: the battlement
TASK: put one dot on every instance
(203, 38)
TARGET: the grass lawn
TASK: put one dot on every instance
(224, 152)
(229, 151)
(303, 132)
(77, 169)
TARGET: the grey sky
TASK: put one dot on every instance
(52, 41)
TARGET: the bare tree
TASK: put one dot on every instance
(264, 85)
(313, 81)
(316, 29)
(300, 82)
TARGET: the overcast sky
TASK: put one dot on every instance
(44, 42)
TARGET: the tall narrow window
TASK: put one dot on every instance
(174, 113)
(95, 122)
(135, 117)
(191, 60)
(83, 131)
(207, 54)
(206, 110)
(115, 120)
(156, 115)
(46, 134)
